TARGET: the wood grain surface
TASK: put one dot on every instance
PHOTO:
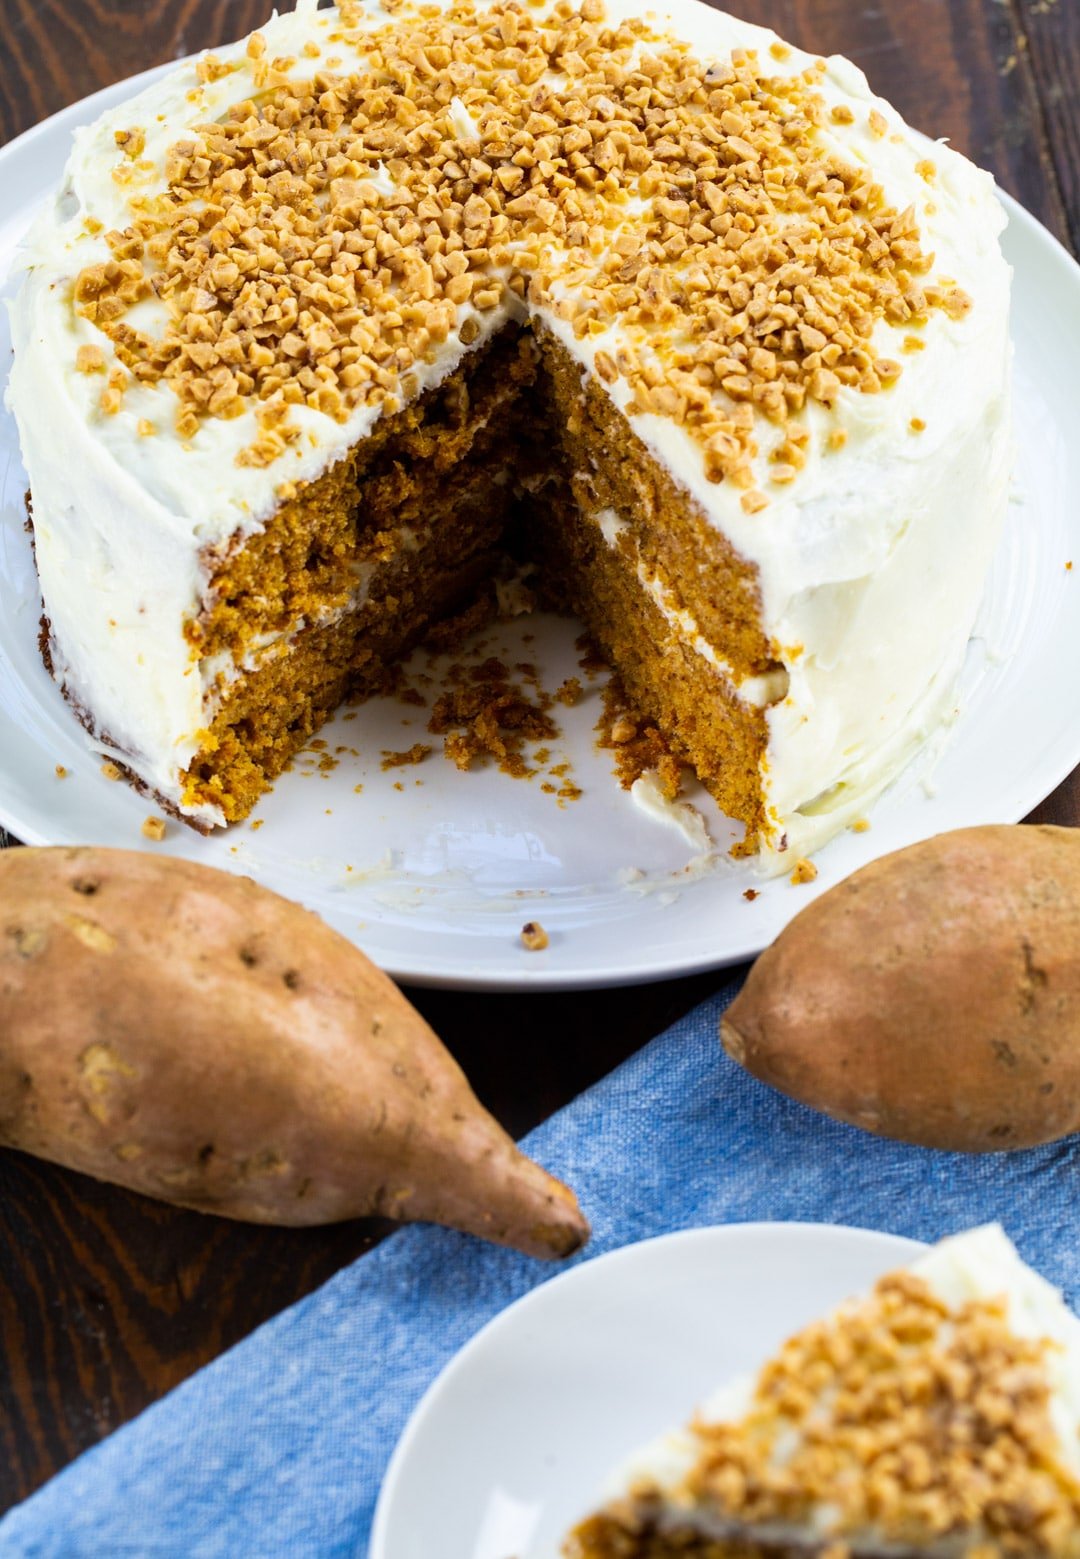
(106, 1299)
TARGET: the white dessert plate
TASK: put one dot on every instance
(433, 871)
(518, 1437)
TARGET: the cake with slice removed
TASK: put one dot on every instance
(938, 1416)
(316, 327)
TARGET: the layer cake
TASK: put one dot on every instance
(319, 327)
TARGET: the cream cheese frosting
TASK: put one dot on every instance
(981, 1265)
(871, 564)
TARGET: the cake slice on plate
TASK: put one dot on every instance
(938, 1415)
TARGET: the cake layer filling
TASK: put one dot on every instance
(275, 710)
(694, 701)
(614, 469)
(862, 766)
(302, 563)
(373, 579)
(759, 690)
(269, 711)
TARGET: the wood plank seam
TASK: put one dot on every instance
(1026, 72)
(1052, 35)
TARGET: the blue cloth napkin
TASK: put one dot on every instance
(278, 1448)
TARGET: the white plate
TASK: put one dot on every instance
(518, 1436)
(434, 881)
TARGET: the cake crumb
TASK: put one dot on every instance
(805, 871)
(590, 659)
(61, 772)
(154, 828)
(569, 692)
(397, 760)
(257, 823)
(533, 936)
(485, 714)
(861, 825)
(450, 634)
(638, 745)
(750, 894)
(110, 770)
(917, 425)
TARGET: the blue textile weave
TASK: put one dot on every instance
(278, 1448)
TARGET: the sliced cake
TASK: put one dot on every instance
(317, 327)
(938, 1416)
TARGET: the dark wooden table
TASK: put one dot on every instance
(106, 1299)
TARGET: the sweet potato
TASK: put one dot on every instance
(933, 996)
(190, 1035)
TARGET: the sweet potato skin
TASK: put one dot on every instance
(188, 1034)
(933, 996)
